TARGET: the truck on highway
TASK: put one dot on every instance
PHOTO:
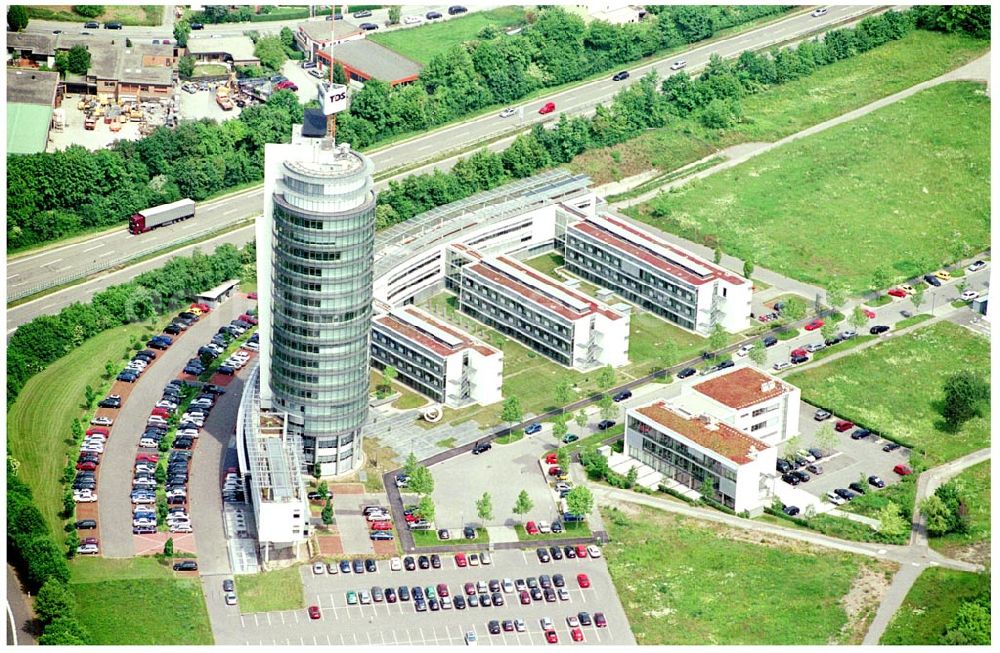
(158, 216)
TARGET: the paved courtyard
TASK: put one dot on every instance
(399, 623)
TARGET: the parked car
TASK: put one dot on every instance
(860, 434)
(186, 565)
(604, 425)
(976, 266)
(969, 295)
(878, 329)
(843, 425)
(821, 415)
(686, 372)
(769, 341)
(844, 494)
(932, 280)
(875, 481)
(532, 428)
(814, 347)
(782, 365)
(834, 498)
(902, 470)
(857, 487)
(892, 446)
(814, 324)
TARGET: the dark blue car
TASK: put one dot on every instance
(533, 428)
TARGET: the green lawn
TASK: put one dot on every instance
(114, 596)
(842, 346)
(923, 161)
(973, 483)
(547, 263)
(931, 604)
(789, 108)
(430, 538)
(38, 424)
(511, 437)
(271, 590)
(893, 387)
(210, 70)
(126, 14)
(910, 321)
(682, 581)
(573, 529)
(422, 43)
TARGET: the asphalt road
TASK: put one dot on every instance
(115, 484)
(50, 267)
(19, 618)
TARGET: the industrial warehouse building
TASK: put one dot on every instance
(437, 360)
(363, 60)
(725, 430)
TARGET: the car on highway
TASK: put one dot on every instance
(548, 107)
(508, 112)
(623, 75)
(533, 428)
(677, 65)
(822, 11)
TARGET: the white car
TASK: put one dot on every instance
(743, 351)
(148, 443)
(832, 497)
(92, 448)
(181, 529)
(593, 551)
(102, 421)
(230, 598)
(783, 365)
(87, 549)
(508, 112)
(546, 623)
(813, 347)
(677, 65)
(395, 564)
(470, 638)
(86, 496)
(155, 419)
(508, 585)
(485, 558)
(252, 346)
(969, 295)
(412, 20)
(978, 265)
(96, 437)
(544, 527)
(191, 433)
(169, 405)
(822, 11)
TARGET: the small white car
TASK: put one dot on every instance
(508, 585)
(319, 568)
(87, 549)
(102, 421)
(544, 527)
(822, 11)
(743, 351)
(230, 598)
(978, 265)
(546, 623)
(593, 551)
(508, 112)
(181, 529)
(412, 20)
(470, 638)
(969, 295)
(832, 497)
(783, 365)
(395, 564)
(677, 65)
(252, 346)
(814, 347)
(485, 558)
(86, 496)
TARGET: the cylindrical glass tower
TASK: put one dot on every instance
(322, 255)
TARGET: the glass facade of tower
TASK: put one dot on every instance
(322, 256)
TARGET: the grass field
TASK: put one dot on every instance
(893, 388)
(210, 70)
(430, 538)
(973, 483)
(921, 161)
(786, 109)
(271, 590)
(38, 424)
(719, 586)
(126, 14)
(572, 529)
(931, 604)
(422, 43)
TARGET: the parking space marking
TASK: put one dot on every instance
(255, 622)
(282, 615)
(295, 613)
(243, 623)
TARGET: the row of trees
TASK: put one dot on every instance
(41, 563)
(713, 98)
(48, 337)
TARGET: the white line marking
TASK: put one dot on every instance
(110, 251)
(90, 249)
(53, 262)
(13, 276)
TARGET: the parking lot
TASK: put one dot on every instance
(400, 623)
(503, 471)
(849, 461)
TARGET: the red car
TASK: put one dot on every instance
(554, 471)
(815, 324)
(412, 517)
(583, 580)
(576, 634)
(551, 637)
(897, 292)
(246, 317)
(470, 589)
(287, 84)
(314, 612)
(799, 352)
(204, 308)
(442, 589)
(99, 430)
(86, 466)
(869, 313)
(162, 412)
(902, 470)
(581, 551)
(252, 295)
(525, 598)
(147, 457)
(843, 425)
(381, 525)
(599, 620)
(460, 560)
(549, 107)
(551, 459)
(531, 528)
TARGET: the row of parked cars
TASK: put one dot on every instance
(573, 621)
(379, 523)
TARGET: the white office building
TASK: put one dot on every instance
(437, 360)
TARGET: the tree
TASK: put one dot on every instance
(562, 458)
(632, 476)
(511, 411)
(45, 560)
(421, 482)
(718, 338)
(707, 489)
(964, 394)
(185, 67)
(523, 505)
(394, 13)
(608, 408)
(937, 514)
(425, 508)
(828, 330)
(64, 630)
(564, 392)
(858, 318)
(794, 309)
(559, 428)
(484, 508)
(411, 465)
(79, 60)
(971, 624)
(89, 396)
(758, 353)
(89, 11)
(76, 428)
(287, 37)
(879, 280)
(17, 18)
(327, 514)
(182, 30)
(389, 375)
(579, 501)
(168, 548)
(605, 377)
(323, 490)
(918, 296)
(338, 74)
(717, 255)
(836, 294)
(826, 436)
(891, 523)
(581, 418)
(747, 268)
(792, 445)
(53, 600)
(109, 369)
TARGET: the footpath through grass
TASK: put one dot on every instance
(422, 43)
(894, 388)
(909, 181)
(789, 108)
(271, 590)
(931, 604)
(115, 597)
(682, 581)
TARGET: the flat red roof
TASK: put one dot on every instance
(722, 438)
(651, 257)
(741, 388)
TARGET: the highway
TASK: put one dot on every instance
(60, 263)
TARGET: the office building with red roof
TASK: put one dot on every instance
(659, 276)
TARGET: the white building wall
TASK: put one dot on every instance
(485, 377)
(753, 482)
(612, 339)
(277, 522)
